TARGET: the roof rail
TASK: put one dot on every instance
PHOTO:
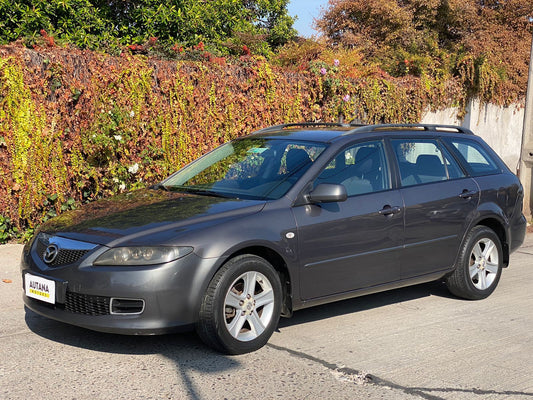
(411, 127)
(302, 124)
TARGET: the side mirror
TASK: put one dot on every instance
(328, 193)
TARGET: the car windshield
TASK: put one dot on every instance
(250, 168)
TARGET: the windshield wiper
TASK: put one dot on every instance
(203, 192)
(159, 186)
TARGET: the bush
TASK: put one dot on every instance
(112, 25)
(7, 230)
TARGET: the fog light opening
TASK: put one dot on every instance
(127, 306)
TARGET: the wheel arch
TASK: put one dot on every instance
(279, 264)
(498, 227)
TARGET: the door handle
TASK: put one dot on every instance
(467, 194)
(388, 210)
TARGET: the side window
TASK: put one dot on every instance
(361, 169)
(477, 158)
(423, 161)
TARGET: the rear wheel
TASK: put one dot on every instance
(479, 265)
(241, 306)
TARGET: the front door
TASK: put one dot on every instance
(356, 243)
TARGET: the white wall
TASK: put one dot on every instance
(500, 127)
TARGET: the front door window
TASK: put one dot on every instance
(361, 169)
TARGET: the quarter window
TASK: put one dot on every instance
(477, 158)
(361, 169)
(423, 161)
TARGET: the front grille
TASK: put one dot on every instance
(64, 256)
(87, 304)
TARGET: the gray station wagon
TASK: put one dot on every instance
(289, 217)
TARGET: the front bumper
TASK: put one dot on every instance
(170, 294)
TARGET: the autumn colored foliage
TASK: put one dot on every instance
(485, 43)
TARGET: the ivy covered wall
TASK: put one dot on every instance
(78, 125)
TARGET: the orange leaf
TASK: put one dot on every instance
(7, 281)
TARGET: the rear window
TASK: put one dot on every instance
(477, 158)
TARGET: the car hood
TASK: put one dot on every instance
(146, 216)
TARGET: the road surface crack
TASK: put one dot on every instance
(358, 377)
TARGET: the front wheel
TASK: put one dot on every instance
(241, 306)
(479, 265)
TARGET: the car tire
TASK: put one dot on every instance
(241, 306)
(479, 265)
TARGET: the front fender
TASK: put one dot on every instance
(255, 234)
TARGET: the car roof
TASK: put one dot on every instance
(329, 132)
(306, 134)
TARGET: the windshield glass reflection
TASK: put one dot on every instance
(251, 168)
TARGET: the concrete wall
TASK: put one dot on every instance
(500, 127)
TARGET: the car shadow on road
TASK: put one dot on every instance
(368, 302)
(189, 355)
(185, 350)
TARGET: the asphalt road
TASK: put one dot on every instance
(413, 343)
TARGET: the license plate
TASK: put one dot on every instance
(40, 288)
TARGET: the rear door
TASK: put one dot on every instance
(356, 243)
(439, 202)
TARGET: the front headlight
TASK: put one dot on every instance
(142, 255)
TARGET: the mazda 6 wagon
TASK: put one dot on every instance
(289, 217)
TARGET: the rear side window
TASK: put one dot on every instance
(479, 161)
(424, 161)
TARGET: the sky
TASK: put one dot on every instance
(306, 10)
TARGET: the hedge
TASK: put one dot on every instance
(77, 125)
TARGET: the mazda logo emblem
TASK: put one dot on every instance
(50, 253)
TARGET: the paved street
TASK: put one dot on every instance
(413, 343)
